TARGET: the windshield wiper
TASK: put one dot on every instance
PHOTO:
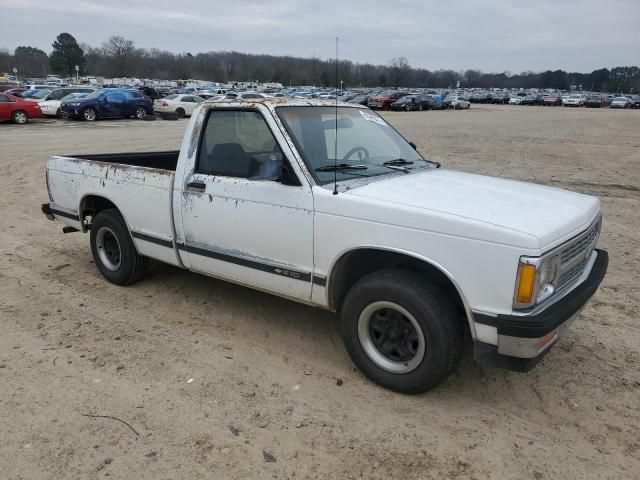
(397, 161)
(340, 166)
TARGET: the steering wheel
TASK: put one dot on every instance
(354, 150)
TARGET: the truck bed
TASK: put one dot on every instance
(161, 160)
(140, 184)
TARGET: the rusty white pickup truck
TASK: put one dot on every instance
(327, 204)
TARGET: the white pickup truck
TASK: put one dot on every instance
(327, 204)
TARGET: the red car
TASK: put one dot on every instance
(17, 109)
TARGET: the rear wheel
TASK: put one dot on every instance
(89, 114)
(401, 331)
(113, 250)
(140, 113)
(20, 117)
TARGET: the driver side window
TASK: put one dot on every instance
(238, 143)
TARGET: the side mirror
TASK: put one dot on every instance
(266, 166)
(413, 145)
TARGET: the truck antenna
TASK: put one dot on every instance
(335, 145)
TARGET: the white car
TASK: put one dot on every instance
(456, 103)
(182, 105)
(621, 102)
(414, 257)
(515, 100)
(574, 101)
(51, 108)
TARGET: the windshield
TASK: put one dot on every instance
(365, 141)
(41, 94)
(71, 96)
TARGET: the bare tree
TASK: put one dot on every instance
(120, 49)
(399, 69)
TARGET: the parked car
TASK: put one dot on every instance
(16, 92)
(517, 100)
(151, 92)
(575, 100)
(4, 86)
(360, 99)
(500, 98)
(59, 93)
(361, 234)
(621, 102)
(34, 94)
(51, 108)
(552, 100)
(108, 103)
(182, 105)
(244, 95)
(533, 99)
(384, 100)
(413, 102)
(18, 110)
(596, 101)
(37, 86)
(636, 101)
(456, 103)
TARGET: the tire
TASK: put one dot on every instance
(140, 113)
(19, 117)
(407, 108)
(422, 315)
(180, 112)
(58, 114)
(113, 250)
(89, 114)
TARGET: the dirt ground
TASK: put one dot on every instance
(215, 380)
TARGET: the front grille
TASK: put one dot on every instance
(580, 244)
(574, 257)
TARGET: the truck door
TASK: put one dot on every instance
(241, 221)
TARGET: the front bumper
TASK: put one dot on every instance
(524, 339)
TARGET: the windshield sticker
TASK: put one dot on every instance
(372, 118)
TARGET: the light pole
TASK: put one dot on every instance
(15, 73)
(77, 73)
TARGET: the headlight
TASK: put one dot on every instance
(536, 280)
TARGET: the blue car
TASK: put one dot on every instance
(108, 103)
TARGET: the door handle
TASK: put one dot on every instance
(201, 186)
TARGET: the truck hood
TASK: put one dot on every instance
(552, 215)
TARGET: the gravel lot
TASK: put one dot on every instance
(265, 371)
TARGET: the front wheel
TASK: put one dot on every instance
(89, 114)
(401, 331)
(140, 113)
(19, 117)
(113, 250)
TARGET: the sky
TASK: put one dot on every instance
(493, 36)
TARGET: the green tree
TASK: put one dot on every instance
(66, 55)
(30, 61)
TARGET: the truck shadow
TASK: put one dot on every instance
(308, 335)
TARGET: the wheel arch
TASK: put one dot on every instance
(355, 263)
(91, 204)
